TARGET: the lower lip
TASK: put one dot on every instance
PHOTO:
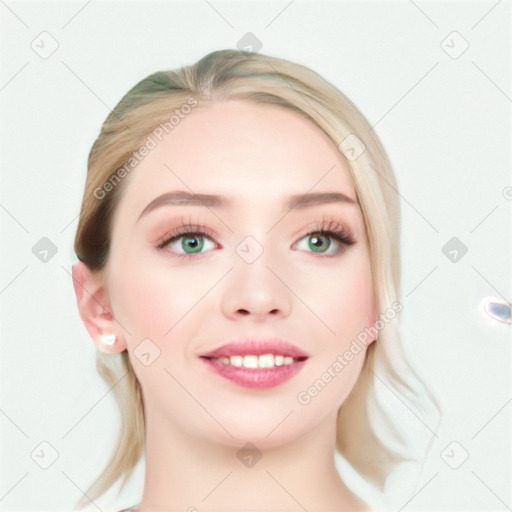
(255, 378)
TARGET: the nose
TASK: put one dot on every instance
(257, 291)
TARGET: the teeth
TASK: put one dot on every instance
(252, 361)
(236, 360)
(266, 361)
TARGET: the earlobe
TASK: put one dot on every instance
(94, 306)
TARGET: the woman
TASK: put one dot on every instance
(239, 273)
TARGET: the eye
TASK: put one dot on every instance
(186, 241)
(320, 240)
(190, 241)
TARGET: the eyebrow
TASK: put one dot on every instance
(298, 201)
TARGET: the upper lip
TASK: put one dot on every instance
(257, 346)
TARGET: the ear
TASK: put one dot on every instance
(94, 308)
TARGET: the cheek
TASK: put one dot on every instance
(347, 305)
(346, 308)
(150, 302)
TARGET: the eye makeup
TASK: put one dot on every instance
(186, 228)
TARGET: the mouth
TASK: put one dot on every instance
(255, 363)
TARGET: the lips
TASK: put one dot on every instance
(265, 363)
(257, 347)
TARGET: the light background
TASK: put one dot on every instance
(444, 119)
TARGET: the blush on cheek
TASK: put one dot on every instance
(368, 303)
(364, 294)
(154, 302)
(352, 308)
(152, 309)
(136, 299)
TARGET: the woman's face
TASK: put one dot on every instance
(258, 271)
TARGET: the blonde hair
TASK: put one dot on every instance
(367, 436)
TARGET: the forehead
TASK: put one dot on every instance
(251, 153)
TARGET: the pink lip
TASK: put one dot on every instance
(257, 347)
(256, 378)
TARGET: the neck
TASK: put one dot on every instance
(188, 472)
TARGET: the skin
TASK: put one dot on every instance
(197, 421)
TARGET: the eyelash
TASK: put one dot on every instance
(326, 227)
